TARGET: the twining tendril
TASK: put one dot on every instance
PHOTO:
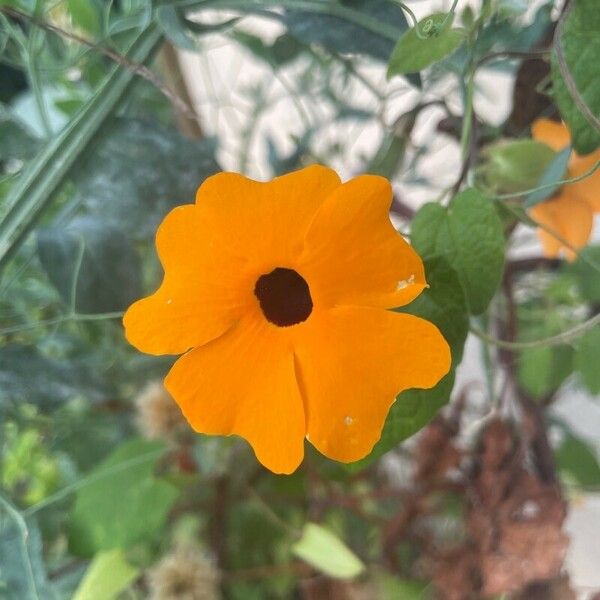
(428, 26)
(429, 29)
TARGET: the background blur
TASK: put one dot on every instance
(105, 491)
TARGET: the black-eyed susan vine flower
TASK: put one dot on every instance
(277, 294)
(570, 212)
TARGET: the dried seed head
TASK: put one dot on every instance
(185, 574)
(158, 416)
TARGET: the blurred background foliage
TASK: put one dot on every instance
(105, 491)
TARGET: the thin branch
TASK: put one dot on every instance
(562, 338)
(401, 209)
(188, 124)
(511, 54)
(272, 515)
(298, 568)
(523, 265)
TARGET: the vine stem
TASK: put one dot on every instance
(465, 138)
(272, 515)
(62, 319)
(555, 340)
(550, 185)
(91, 478)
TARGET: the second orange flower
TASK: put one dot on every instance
(570, 212)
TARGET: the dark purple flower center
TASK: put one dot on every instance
(284, 297)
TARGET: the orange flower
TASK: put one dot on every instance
(570, 213)
(277, 294)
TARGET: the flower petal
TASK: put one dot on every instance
(353, 254)
(569, 216)
(244, 383)
(267, 221)
(351, 364)
(200, 296)
(552, 133)
(588, 188)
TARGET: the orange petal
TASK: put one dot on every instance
(244, 383)
(554, 134)
(353, 254)
(544, 215)
(267, 221)
(199, 298)
(570, 217)
(588, 188)
(352, 362)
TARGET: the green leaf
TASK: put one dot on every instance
(542, 370)
(497, 34)
(581, 45)
(86, 14)
(444, 304)
(108, 575)
(174, 26)
(327, 553)
(22, 572)
(554, 172)
(579, 461)
(586, 277)
(390, 587)
(412, 54)
(515, 166)
(390, 154)
(587, 359)
(284, 49)
(122, 503)
(15, 140)
(412, 410)
(469, 236)
(181, 31)
(92, 261)
(368, 27)
(511, 8)
(26, 375)
(138, 171)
